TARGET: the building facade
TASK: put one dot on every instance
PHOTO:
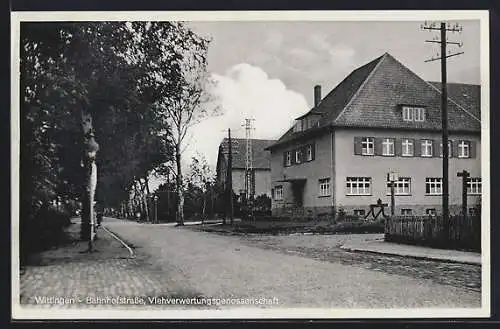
(382, 118)
(260, 182)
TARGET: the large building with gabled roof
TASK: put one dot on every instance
(381, 118)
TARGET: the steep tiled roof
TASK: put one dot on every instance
(467, 96)
(377, 103)
(335, 101)
(372, 95)
(261, 157)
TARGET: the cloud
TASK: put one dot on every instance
(274, 40)
(246, 91)
(301, 55)
(339, 54)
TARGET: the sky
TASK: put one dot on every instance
(267, 70)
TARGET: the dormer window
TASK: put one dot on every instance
(413, 113)
(298, 126)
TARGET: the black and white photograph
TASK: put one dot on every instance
(225, 165)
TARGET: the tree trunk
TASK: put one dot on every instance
(91, 147)
(145, 200)
(203, 210)
(180, 192)
(149, 193)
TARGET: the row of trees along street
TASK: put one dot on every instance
(104, 106)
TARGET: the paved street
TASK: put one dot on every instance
(246, 267)
(298, 270)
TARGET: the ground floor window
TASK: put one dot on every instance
(324, 187)
(406, 212)
(278, 192)
(430, 211)
(359, 212)
(433, 186)
(475, 211)
(474, 185)
(358, 185)
(401, 186)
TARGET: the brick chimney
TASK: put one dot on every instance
(317, 95)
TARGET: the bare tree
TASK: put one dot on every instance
(203, 177)
(191, 103)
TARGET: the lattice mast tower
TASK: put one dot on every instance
(249, 188)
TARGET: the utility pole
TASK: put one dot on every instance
(230, 175)
(465, 175)
(443, 41)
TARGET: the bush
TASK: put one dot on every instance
(376, 226)
(46, 229)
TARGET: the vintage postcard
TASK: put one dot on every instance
(235, 165)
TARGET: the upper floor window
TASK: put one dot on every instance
(413, 113)
(298, 156)
(388, 146)
(463, 149)
(288, 158)
(407, 148)
(324, 187)
(367, 145)
(426, 148)
(309, 152)
(441, 149)
(474, 185)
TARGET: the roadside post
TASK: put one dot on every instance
(465, 175)
(155, 198)
(392, 177)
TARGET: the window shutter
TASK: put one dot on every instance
(357, 145)
(472, 149)
(454, 147)
(378, 146)
(292, 156)
(284, 159)
(436, 148)
(398, 145)
(417, 147)
(313, 150)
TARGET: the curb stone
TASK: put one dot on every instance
(439, 259)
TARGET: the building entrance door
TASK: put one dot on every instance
(298, 193)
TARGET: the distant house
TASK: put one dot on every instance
(382, 117)
(261, 164)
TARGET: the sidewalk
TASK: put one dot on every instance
(381, 247)
(82, 278)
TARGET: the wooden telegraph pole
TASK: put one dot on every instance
(465, 175)
(442, 40)
(230, 175)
